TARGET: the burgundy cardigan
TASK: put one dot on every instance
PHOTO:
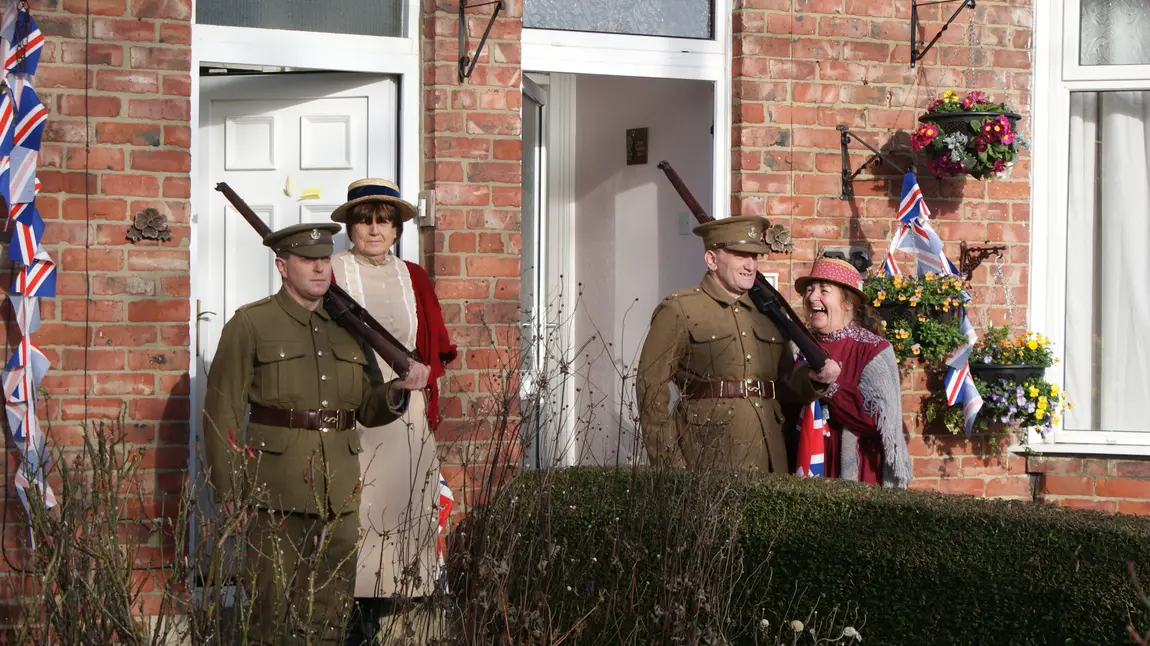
(432, 341)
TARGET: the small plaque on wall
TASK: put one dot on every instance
(636, 146)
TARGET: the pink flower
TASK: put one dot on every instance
(923, 136)
(999, 165)
(1008, 138)
(945, 167)
(974, 98)
(981, 144)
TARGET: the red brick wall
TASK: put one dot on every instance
(803, 67)
(131, 355)
(472, 153)
(1107, 484)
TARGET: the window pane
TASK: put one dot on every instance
(360, 17)
(675, 18)
(1114, 32)
(1108, 233)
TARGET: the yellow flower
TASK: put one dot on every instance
(1054, 390)
(902, 297)
(1033, 391)
(1033, 345)
(877, 302)
(881, 294)
(921, 318)
(1069, 404)
(950, 96)
(1042, 404)
(946, 308)
(913, 302)
(930, 275)
(1038, 414)
(1055, 420)
(916, 348)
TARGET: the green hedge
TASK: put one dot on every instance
(634, 556)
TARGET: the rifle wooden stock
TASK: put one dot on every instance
(344, 309)
(767, 299)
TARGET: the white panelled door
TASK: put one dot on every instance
(288, 145)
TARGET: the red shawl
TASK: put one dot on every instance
(432, 341)
(853, 347)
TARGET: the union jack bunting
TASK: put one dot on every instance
(22, 47)
(446, 502)
(916, 236)
(22, 119)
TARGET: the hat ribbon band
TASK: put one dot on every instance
(371, 191)
(716, 245)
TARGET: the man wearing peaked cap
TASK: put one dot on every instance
(307, 240)
(728, 364)
(295, 471)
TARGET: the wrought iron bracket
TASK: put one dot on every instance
(845, 134)
(467, 63)
(970, 257)
(915, 54)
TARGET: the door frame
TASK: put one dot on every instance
(396, 57)
(564, 54)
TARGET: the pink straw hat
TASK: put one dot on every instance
(833, 270)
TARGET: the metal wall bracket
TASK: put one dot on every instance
(467, 63)
(849, 177)
(915, 54)
(971, 257)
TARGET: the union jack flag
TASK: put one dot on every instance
(811, 462)
(446, 502)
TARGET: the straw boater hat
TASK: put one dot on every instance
(737, 233)
(833, 270)
(373, 190)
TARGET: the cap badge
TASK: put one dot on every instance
(315, 234)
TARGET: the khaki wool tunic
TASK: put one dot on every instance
(398, 516)
(705, 334)
(278, 354)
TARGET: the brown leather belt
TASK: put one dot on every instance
(307, 419)
(745, 389)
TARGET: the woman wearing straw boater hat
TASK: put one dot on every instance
(866, 441)
(729, 365)
(398, 558)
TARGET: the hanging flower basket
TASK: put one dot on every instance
(894, 312)
(949, 122)
(969, 136)
(1013, 374)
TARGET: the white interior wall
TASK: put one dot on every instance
(633, 244)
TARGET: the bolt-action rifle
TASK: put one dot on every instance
(343, 309)
(766, 298)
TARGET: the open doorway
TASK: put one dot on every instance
(605, 238)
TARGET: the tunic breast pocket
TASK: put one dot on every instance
(279, 364)
(714, 352)
(772, 345)
(350, 363)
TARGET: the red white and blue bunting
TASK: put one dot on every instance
(22, 118)
(916, 236)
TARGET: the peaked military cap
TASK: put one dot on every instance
(737, 233)
(307, 239)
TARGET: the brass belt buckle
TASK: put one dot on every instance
(329, 420)
(753, 388)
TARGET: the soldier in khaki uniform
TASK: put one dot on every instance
(307, 381)
(729, 364)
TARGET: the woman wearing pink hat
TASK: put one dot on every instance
(866, 442)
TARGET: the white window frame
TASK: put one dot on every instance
(571, 52)
(1056, 75)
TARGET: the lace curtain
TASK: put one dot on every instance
(674, 18)
(1108, 234)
